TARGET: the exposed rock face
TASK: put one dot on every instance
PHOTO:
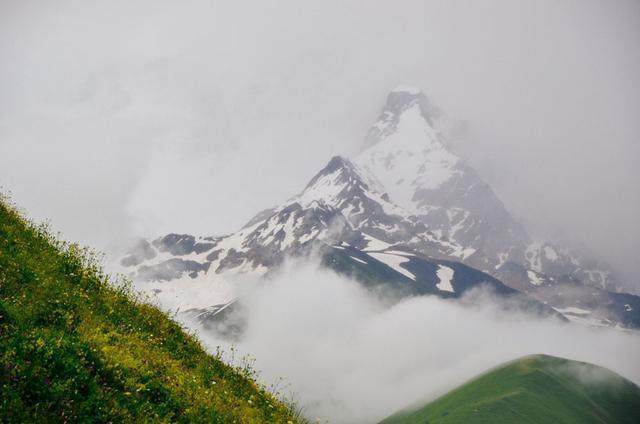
(139, 253)
(407, 151)
(405, 207)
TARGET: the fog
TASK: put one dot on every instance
(137, 118)
(347, 357)
(127, 118)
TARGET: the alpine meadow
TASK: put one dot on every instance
(339, 212)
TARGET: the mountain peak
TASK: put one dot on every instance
(341, 172)
(401, 99)
(336, 163)
(410, 89)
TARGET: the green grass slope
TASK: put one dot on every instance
(75, 349)
(535, 389)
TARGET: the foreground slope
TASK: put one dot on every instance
(75, 349)
(535, 389)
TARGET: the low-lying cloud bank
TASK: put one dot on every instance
(349, 358)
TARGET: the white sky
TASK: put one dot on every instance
(142, 117)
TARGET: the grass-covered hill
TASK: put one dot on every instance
(73, 348)
(535, 389)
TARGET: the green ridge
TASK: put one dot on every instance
(535, 389)
(73, 348)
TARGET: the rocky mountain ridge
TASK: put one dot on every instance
(405, 192)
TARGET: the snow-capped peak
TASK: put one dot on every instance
(342, 170)
(405, 195)
(399, 100)
(407, 150)
(411, 158)
(337, 166)
(343, 184)
(408, 153)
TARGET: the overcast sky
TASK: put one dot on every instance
(123, 118)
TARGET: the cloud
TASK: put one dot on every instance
(348, 357)
(590, 376)
(109, 108)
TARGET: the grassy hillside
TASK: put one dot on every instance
(535, 389)
(75, 349)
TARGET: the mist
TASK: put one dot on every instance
(126, 119)
(347, 356)
(121, 119)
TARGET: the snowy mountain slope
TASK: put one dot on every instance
(575, 300)
(390, 271)
(405, 196)
(365, 204)
(406, 150)
(408, 272)
(341, 214)
(341, 203)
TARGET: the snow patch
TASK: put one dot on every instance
(358, 260)
(445, 274)
(534, 278)
(187, 293)
(573, 310)
(393, 262)
(374, 244)
(502, 258)
(532, 255)
(550, 253)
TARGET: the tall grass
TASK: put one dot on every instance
(75, 347)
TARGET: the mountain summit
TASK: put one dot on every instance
(400, 99)
(407, 150)
(406, 209)
(536, 388)
(411, 159)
